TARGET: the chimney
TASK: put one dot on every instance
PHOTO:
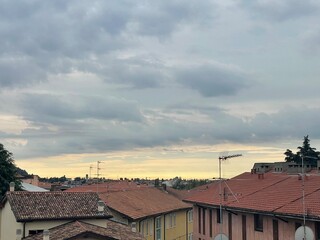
(12, 187)
(260, 175)
(164, 186)
(100, 206)
(46, 235)
(225, 194)
(134, 227)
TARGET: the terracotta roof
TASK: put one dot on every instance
(107, 187)
(74, 229)
(29, 206)
(180, 194)
(273, 193)
(139, 203)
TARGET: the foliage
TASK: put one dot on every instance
(188, 184)
(54, 179)
(8, 171)
(309, 154)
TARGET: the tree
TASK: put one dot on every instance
(309, 154)
(8, 171)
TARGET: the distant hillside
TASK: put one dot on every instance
(22, 172)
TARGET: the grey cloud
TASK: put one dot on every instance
(161, 18)
(282, 10)
(20, 71)
(213, 81)
(63, 109)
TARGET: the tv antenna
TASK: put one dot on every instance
(221, 159)
(98, 174)
(90, 171)
(304, 232)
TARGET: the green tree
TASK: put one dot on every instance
(309, 154)
(8, 171)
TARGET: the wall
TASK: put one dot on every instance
(8, 223)
(286, 226)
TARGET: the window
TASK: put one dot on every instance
(142, 227)
(199, 219)
(210, 222)
(244, 227)
(31, 232)
(158, 228)
(171, 220)
(258, 222)
(190, 215)
(190, 236)
(204, 220)
(219, 217)
(149, 227)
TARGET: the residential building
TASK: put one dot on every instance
(24, 214)
(79, 230)
(257, 205)
(153, 212)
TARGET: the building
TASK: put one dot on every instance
(25, 214)
(257, 205)
(79, 230)
(153, 212)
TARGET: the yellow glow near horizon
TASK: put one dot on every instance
(186, 162)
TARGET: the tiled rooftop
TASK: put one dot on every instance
(272, 192)
(107, 187)
(74, 229)
(143, 202)
(28, 206)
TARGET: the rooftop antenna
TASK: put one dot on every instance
(223, 158)
(90, 171)
(98, 174)
(304, 232)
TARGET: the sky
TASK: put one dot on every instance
(157, 88)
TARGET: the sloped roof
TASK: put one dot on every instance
(29, 206)
(73, 229)
(143, 202)
(32, 188)
(273, 192)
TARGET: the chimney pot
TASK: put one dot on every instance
(12, 184)
(100, 206)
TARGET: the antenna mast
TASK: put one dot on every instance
(223, 158)
(98, 174)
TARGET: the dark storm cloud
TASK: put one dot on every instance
(213, 81)
(54, 110)
(281, 10)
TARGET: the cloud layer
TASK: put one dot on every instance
(80, 77)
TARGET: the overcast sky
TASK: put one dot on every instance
(157, 88)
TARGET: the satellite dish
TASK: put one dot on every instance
(221, 236)
(299, 235)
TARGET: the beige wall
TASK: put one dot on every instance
(169, 230)
(9, 226)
